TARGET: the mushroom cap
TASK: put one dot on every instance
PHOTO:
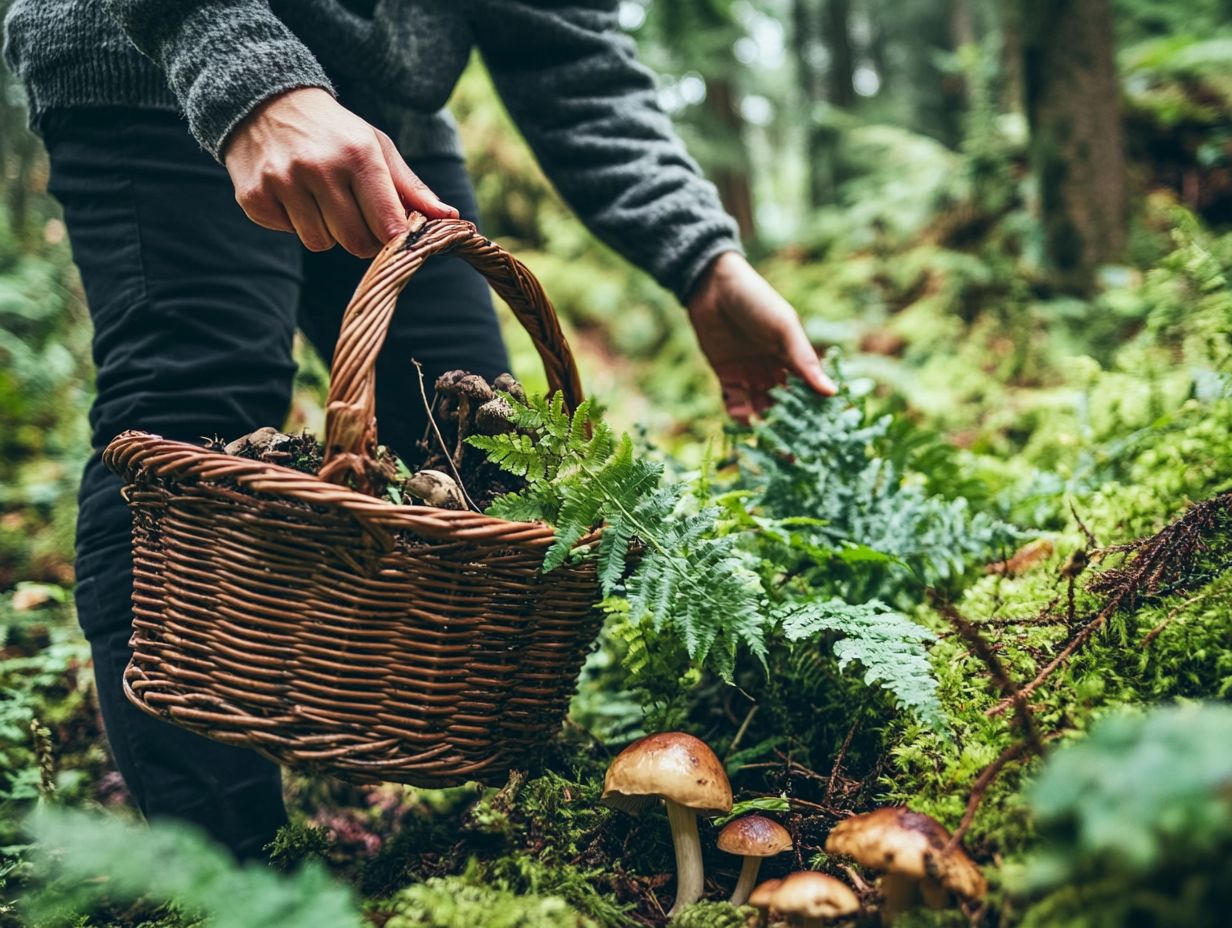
(474, 388)
(670, 765)
(754, 836)
(897, 840)
(448, 381)
(762, 896)
(814, 895)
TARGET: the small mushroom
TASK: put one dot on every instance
(814, 898)
(910, 850)
(447, 382)
(256, 443)
(683, 772)
(494, 417)
(472, 391)
(505, 383)
(762, 899)
(752, 837)
(435, 489)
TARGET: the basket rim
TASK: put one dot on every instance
(134, 453)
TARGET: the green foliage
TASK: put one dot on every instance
(527, 875)
(695, 578)
(686, 579)
(713, 915)
(1137, 822)
(872, 527)
(296, 843)
(513, 891)
(886, 643)
(459, 902)
(86, 859)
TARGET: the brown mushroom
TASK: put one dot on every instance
(683, 772)
(762, 899)
(435, 489)
(472, 391)
(494, 417)
(814, 898)
(752, 837)
(506, 383)
(910, 849)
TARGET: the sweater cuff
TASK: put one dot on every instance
(223, 65)
(686, 265)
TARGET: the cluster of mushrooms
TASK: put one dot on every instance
(448, 477)
(911, 850)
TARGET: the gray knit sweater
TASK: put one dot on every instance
(563, 68)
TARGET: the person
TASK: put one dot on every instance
(187, 137)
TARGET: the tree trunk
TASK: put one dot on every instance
(1010, 25)
(1077, 142)
(837, 33)
(935, 98)
(809, 94)
(732, 176)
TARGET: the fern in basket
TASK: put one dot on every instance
(698, 574)
(687, 578)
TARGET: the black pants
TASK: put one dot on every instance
(194, 308)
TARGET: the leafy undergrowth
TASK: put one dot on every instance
(925, 620)
(1016, 493)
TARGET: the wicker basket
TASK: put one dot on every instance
(327, 628)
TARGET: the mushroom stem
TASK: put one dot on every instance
(748, 879)
(935, 895)
(817, 922)
(899, 893)
(689, 874)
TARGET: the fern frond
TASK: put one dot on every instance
(889, 646)
(534, 504)
(514, 452)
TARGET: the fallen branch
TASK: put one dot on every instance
(1165, 556)
(980, 787)
(984, 651)
(838, 761)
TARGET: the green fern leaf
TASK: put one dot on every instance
(889, 646)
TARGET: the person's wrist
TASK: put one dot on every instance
(718, 274)
(273, 108)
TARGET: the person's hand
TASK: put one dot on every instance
(751, 336)
(303, 163)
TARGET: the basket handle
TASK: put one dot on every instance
(350, 414)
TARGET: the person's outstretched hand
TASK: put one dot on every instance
(751, 336)
(303, 163)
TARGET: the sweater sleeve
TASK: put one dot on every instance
(221, 57)
(589, 111)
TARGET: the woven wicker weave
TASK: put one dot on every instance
(325, 627)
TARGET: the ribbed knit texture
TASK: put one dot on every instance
(565, 70)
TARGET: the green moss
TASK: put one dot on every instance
(456, 902)
(713, 915)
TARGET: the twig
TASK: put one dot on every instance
(838, 760)
(982, 782)
(862, 887)
(744, 726)
(1155, 632)
(423, 391)
(1091, 542)
(984, 651)
(1075, 643)
(811, 805)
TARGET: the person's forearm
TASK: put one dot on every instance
(222, 57)
(591, 115)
